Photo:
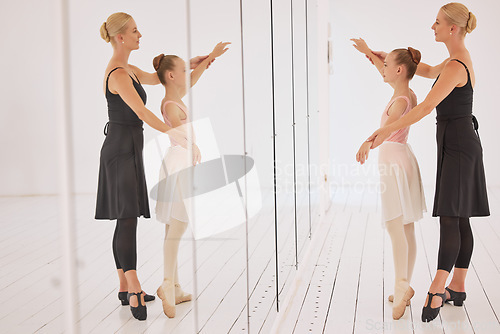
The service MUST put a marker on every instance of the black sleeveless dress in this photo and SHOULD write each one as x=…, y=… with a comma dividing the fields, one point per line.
x=122, y=191
x=460, y=179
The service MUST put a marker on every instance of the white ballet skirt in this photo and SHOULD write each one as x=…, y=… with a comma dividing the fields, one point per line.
x=401, y=188
x=171, y=188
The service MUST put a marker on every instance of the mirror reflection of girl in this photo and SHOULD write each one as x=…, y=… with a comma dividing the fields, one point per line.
x=402, y=195
x=122, y=192
x=170, y=208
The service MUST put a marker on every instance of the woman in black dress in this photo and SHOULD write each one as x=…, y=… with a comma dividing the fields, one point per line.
x=122, y=193
x=460, y=180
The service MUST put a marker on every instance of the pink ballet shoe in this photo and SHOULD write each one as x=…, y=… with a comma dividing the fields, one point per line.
x=399, y=310
x=391, y=299
x=180, y=296
x=163, y=290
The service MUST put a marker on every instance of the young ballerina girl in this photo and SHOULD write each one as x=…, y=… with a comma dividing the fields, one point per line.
x=170, y=209
x=402, y=195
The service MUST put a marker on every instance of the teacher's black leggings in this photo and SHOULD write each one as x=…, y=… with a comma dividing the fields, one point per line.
x=125, y=245
x=455, y=243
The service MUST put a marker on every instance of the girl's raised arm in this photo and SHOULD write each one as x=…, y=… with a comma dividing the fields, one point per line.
x=218, y=51
x=362, y=47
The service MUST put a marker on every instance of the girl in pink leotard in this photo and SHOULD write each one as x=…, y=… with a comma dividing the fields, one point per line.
x=170, y=208
x=401, y=189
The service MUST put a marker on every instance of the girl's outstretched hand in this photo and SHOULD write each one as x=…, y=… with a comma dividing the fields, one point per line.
x=361, y=45
x=220, y=49
x=196, y=155
x=363, y=152
x=378, y=137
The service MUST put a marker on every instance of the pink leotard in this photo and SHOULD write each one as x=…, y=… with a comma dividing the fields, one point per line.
x=401, y=135
x=183, y=121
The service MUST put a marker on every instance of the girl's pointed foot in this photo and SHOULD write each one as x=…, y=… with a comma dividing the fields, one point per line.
x=398, y=310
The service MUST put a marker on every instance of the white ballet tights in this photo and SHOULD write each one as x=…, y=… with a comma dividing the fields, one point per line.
x=173, y=234
x=404, y=251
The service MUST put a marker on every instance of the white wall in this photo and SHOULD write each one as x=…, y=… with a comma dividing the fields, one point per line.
x=27, y=100
x=358, y=94
x=28, y=92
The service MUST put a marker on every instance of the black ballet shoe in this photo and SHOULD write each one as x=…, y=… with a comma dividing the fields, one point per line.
x=429, y=313
x=122, y=296
x=148, y=298
x=139, y=312
x=456, y=297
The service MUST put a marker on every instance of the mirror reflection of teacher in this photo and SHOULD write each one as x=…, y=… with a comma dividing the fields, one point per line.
x=460, y=180
x=122, y=192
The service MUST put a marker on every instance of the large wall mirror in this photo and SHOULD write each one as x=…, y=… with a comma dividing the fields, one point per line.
x=254, y=198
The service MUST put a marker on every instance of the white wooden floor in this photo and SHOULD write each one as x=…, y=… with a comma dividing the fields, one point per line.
x=30, y=260
x=349, y=274
x=345, y=273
